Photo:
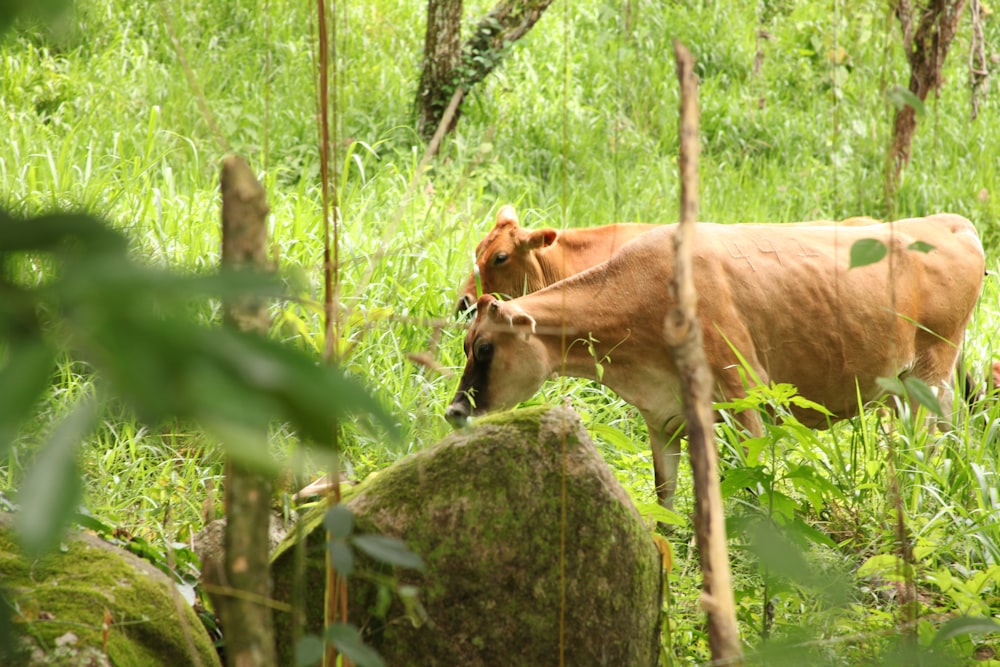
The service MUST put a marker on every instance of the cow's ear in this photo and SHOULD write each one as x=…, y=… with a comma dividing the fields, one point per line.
x=506, y=216
x=541, y=238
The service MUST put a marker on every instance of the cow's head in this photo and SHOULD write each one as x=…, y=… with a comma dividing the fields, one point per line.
x=505, y=361
x=506, y=260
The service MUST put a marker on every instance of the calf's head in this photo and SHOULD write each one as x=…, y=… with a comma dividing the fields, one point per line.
x=505, y=361
x=506, y=260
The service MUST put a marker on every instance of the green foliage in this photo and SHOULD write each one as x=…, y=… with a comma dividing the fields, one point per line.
x=577, y=127
x=123, y=318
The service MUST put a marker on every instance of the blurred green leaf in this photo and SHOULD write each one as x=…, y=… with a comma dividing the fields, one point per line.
x=45, y=10
x=7, y=641
x=348, y=641
x=388, y=550
x=920, y=246
x=339, y=522
x=341, y=557
x=656, y=512
x=68, y=233
x=52, y=487
x=130, y=323
x=914, y=389
x=867, y=251
x=918, y=391
x=308, y=651
x=965, y=625
x=23, y=378
x=901, y=97
x=781, y=551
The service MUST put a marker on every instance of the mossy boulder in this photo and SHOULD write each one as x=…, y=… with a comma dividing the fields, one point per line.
x=488, y=508
x=61, y=601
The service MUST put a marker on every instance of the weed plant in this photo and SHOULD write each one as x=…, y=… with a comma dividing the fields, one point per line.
x=578, y=127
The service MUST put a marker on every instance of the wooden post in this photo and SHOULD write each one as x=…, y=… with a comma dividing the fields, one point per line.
x=684, y=336
x=246, y=617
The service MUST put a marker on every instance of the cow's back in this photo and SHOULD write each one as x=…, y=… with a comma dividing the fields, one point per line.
x=786, y=298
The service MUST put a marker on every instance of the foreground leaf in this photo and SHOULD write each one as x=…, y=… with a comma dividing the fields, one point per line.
x=348, y=641
x=388, y=550
x=308, y=651
x=918, y=391
x=51, y=490
x=22, y=380
x=965, y=625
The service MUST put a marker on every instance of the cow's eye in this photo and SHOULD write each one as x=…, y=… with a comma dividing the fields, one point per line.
x=500, y=258
x=483, y=350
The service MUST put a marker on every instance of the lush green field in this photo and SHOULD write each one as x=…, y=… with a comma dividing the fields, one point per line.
x=577, y=128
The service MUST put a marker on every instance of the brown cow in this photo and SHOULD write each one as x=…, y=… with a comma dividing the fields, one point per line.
x=512, y=261
x=782, y=295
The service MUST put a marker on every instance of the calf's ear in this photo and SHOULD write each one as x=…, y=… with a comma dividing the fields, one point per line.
x=541, y=238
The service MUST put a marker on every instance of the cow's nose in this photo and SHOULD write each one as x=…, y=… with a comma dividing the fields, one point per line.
x=457, y=414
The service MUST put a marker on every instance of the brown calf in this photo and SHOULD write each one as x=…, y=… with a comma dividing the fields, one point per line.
x=512, y=261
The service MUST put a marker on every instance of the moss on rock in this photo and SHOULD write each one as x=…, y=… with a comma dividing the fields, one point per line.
x=61, y=601
x=484, y=508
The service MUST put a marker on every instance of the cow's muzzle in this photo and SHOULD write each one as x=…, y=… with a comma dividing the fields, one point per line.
x=457, y=414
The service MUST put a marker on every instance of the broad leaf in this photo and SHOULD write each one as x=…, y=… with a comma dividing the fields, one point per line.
x=891, y=385
x=918, y=391
x=51, y=490
x=660, y=514
x=903, y=97
x=341, y=557
x=7, y=638
x=308, y=651
x=339, y=522
x=348, y=641
x=22, y=380
x=69, y=233
x=965, y=625
x=388, y=550
x=33, y=9
x=867, y=251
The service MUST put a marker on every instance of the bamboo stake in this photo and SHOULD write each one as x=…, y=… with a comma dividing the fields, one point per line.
x=247, y=622
x=684, y=336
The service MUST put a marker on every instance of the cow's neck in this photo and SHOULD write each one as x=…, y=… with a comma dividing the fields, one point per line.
x=581, y=321
x=579, y=249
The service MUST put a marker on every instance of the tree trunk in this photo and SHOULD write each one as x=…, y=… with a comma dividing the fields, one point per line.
x=246, y=618
x=448, y=67
x=683, y=335
x=442, y=51
x=926, y=47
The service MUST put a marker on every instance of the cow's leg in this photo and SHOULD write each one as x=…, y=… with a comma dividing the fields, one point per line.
x=937, y=367
x=751, y=421
x=665, y=443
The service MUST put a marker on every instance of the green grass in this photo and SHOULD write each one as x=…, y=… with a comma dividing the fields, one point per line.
x=578, y=127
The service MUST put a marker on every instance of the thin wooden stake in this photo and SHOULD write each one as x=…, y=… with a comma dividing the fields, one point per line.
x=683, y=335
x=248, y=623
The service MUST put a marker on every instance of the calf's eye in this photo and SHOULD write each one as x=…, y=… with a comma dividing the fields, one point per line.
x=483, y=351
x=500, y=258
